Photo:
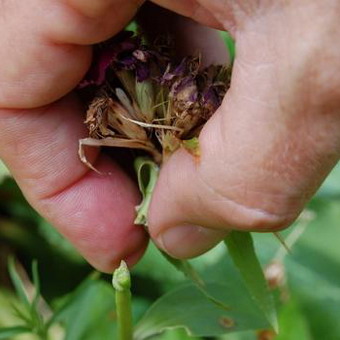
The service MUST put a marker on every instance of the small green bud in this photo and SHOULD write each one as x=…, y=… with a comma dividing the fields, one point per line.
x=121, y=279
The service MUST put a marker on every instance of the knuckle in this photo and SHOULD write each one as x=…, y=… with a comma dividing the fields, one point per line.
x=251, y=210
x=252, y=218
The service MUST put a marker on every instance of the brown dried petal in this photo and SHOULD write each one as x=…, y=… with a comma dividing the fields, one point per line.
x=118, y=120
x=188, y=120
x=97, y=118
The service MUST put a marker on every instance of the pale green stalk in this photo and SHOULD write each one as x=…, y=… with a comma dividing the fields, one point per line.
x=121, y=281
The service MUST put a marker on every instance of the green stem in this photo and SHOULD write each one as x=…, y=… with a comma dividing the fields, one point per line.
x=147, y=173
x=121, y=281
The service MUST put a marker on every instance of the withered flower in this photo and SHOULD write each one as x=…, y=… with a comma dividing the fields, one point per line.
x=147, y=100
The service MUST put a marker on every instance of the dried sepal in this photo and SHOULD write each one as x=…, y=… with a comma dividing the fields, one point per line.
x=116, y=142
x=170, y=143
x=192, y=146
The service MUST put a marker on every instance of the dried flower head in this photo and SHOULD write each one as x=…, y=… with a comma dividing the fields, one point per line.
x=146, y=99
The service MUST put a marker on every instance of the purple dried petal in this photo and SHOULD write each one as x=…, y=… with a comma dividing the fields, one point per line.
x=124, y=41
x=128, y=45
x=181, y=69
x=167, y=76
x=105, y=53
x=210, y=98
x=127, y=62
x=96, y=74
x=173, y=73
x=142, y=72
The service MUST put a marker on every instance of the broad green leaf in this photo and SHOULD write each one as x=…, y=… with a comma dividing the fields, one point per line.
x=10, y=332
x=169, y=271
x=186, y=268
x=241, y=249
x=156, y=267
x=176, y=334
x=186, y=307
x=248, y=335
x=189, y=271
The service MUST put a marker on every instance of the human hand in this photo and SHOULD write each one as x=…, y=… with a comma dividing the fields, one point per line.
x=45, y=51
x=274, y=139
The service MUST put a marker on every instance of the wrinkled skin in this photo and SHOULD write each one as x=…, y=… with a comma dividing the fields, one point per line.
x=264, y=152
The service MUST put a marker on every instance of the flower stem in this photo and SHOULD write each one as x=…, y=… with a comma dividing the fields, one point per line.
x=147, y=173
x=121, y=281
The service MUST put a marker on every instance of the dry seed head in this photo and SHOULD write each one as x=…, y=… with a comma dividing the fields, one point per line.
x=150, y=99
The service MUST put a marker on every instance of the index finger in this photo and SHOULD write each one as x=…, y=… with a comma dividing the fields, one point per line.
x=44, y=55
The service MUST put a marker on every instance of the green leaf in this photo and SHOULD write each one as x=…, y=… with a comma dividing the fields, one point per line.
x=36, y=283
x=156, y=267
x=176, y=334
x=18, y=284
x=185, y=268
x=241, y=249
x=10, y=332
x=30, y=315
x=189, y=271
x=186, y=307
x=147, y=175
x=89, y=312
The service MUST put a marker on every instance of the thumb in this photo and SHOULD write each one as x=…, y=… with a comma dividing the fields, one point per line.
x=263, y=153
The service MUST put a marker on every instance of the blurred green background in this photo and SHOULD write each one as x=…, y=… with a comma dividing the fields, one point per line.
x=306, y=282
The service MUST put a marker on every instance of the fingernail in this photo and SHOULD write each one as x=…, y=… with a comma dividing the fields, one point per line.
x=188, y=240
